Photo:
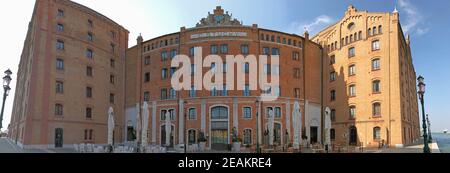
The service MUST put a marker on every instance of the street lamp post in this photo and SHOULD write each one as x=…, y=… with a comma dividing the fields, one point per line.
x=421, y=92
x=257, y=126
x=429, y=130
x=6, y=81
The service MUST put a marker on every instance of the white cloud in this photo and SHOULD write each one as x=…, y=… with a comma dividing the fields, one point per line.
x=413, y=18
x=312, y=27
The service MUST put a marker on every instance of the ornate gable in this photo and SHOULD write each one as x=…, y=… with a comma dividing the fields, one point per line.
x=219, y=18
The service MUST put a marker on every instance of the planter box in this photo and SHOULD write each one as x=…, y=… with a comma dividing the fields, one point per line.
x=236, y=147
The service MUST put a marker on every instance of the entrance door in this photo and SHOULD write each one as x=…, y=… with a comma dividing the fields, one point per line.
x=314, y=131
x=58, y=138
x=353, y=136
x=219, y=128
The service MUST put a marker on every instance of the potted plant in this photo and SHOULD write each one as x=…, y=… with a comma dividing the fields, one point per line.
x=202, y=141
x=236, y=141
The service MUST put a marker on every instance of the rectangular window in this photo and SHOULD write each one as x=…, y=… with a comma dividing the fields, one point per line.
x=147, y=77
x=214, y=91
x=247, y=90
x=59, y=64
x=192, y=92
x=90, y=23
x=60, y=27
x=275, y=51
x=88, y=113
x=352, y=90
x=173, y=53
x=164, y=56
x=146, y=96
x=351, y=52
x=352, y=112
x=59, y=87
x=192, y=114
x=113, y=48
x=376, y=64
x=214, y=49
x=172, y=71
x=60, y=13
x=89, y=53
x=112, y=63
x=59, y=110
x=296, y=92
x=376, y=110
x=297, y=73
x=266, y=51
x=244, y=49
x=332, y=76
x=333, y=95
x=172, y=93
x=224, y=90
x=164, y=73
x=60, y=45
x=333, y=115
x=376, y=86
x=88, y=92
x=112, y=79
x=224, y=48
x=90, y=37
x=147, y=60
x=89, y=71
x=332, y=59
x=277, y=112
x=375, y=45
x=295, y=56
x=111, y=98
x=163, y=94
x=247, y=112
x=351, y=70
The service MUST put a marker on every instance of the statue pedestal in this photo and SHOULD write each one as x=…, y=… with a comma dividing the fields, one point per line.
x=236, y=147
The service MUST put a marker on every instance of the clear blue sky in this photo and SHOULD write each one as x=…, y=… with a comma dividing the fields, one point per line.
x=426, y=21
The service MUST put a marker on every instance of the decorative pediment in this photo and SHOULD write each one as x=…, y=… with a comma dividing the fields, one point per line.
x=219, y=18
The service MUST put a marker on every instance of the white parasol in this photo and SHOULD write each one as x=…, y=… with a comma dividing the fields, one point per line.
x=168, y=129
x=138, y=122
x=297, y=122
x=111, y=125
x=271, y=126
x=144, y=125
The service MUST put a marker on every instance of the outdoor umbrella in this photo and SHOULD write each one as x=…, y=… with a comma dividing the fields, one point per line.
x=110, y=126
x=327, y=126
x=138, y=122
x=296, y=117
x=168, y=129
x=271, y=127
x=144, y=125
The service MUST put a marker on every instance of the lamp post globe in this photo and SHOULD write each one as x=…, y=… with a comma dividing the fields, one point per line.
x=421, y=92
x=6, y=81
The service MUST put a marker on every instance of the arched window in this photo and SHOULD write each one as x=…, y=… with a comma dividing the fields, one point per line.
x=380, y=30
x=335, y=45
x=376, y=133
x=332, y=46
x=333, y=115
x=370, y=32
x=346, y=40
x=375, y=30
x=376, y=109
x=355, y=36
x=360, y=35
x=351, y=38
x=219, y=112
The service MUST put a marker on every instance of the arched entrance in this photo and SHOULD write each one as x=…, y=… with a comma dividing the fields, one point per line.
x=59, y=138
x=219, y=128
x=353, y=137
